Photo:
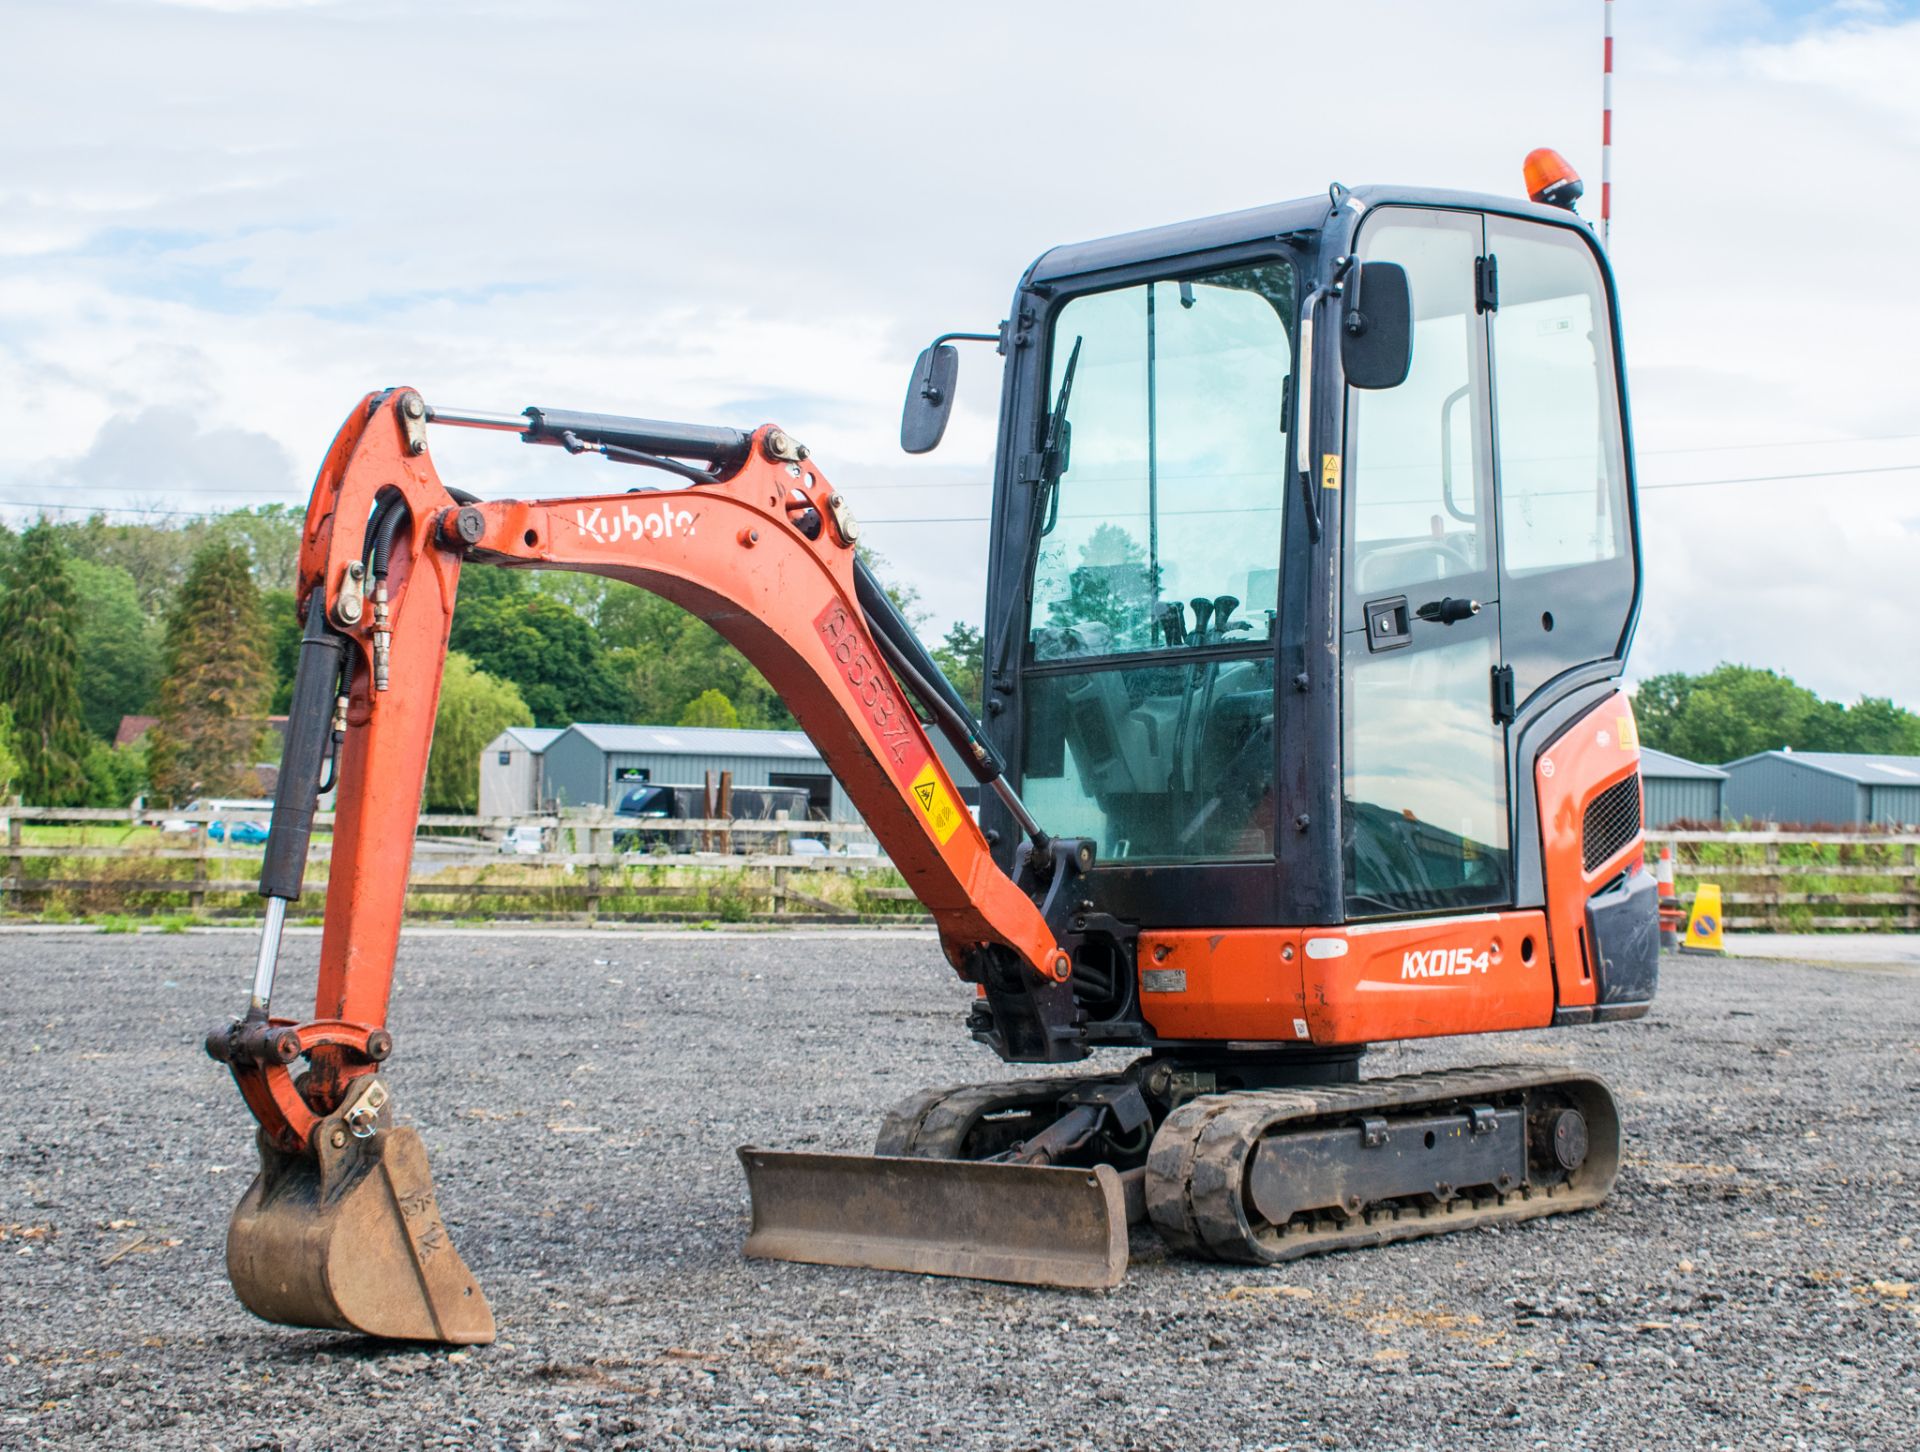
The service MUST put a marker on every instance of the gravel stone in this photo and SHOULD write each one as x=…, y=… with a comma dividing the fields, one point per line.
x=1751, y=1283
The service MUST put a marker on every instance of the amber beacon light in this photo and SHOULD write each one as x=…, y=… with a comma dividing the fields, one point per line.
x=1550, y=180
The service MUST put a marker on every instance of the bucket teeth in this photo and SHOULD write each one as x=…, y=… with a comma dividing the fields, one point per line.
x=348, y=1237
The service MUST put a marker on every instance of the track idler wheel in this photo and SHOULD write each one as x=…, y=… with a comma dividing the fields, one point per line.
x=348, y=1236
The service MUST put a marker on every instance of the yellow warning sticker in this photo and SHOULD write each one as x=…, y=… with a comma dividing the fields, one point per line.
x=1329, y=471
x=932, y=798
x=1628, y=732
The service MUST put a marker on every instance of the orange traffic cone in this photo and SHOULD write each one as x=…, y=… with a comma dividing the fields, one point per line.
x=1672, y=915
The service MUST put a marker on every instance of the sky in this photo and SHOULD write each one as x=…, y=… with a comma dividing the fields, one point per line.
x=223, y=221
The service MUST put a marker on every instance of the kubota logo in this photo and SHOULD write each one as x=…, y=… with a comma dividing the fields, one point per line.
x=1442, y=962
x=609, y=526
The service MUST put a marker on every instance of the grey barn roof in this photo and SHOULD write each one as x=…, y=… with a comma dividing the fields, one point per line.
x=535, y=738
x=1661, y=764
x=1866, y=769
x=699, y=740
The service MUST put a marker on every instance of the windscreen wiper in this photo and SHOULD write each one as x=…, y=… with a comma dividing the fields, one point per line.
x=1053, y=463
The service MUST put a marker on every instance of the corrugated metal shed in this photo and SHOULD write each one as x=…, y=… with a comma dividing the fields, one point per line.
x=510, y=777
x=1807, y=788
x=1678, y=790
x=593, y=763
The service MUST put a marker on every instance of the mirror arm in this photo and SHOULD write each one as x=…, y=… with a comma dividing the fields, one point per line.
x=927, y=390
x=1355, y=320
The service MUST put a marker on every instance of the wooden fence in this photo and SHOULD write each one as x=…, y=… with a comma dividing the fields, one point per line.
x=1777, y=881
x=686, y=869
x=1802, y=881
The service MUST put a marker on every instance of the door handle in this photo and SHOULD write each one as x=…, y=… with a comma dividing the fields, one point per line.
x=1387, y=627
x=1449, y=611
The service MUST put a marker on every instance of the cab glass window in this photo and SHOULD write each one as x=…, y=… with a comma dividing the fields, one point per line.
x=1175, y=465
x=1158, y=762
x=1417, y=463
x=1562, y=498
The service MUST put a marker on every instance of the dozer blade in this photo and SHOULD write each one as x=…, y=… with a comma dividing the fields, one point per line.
x=349, y=1238
x=1028, y=1224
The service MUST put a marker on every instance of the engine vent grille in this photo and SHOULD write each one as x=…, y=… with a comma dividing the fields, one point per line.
x=1611, y=822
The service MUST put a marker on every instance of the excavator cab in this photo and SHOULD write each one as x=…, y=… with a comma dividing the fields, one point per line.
x=1313, y=526
x=1313, y=570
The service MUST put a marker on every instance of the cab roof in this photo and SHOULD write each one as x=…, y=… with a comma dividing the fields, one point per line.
x=1231, y=229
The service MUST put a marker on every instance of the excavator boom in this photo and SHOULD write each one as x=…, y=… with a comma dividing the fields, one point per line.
x=761, y=548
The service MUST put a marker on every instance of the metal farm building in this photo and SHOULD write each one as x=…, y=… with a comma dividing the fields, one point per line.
x=510, y=771
x=1678, y=790
x=1818, y=788
x=594, y=765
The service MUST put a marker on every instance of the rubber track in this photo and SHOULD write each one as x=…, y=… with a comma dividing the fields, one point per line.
x=1196, y=1170
x=934, y=1124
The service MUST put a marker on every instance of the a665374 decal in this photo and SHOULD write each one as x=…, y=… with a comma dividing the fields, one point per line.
x=900, y=743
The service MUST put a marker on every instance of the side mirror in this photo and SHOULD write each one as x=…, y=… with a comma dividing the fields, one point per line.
x=1376, y=340
x=929, y=398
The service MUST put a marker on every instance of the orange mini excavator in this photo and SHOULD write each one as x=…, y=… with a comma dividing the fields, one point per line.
x=1314, y=565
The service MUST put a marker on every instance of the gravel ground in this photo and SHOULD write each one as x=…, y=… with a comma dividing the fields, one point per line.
x=1748, y=1285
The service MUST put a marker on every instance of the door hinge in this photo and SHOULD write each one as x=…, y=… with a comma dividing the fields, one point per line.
x=1503, y=711
x=1486, y=283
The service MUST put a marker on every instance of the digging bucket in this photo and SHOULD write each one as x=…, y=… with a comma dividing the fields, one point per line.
x=1026, y=1224
x=348, y=1237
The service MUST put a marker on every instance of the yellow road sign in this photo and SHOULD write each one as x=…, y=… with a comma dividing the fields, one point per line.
x=1704, y=924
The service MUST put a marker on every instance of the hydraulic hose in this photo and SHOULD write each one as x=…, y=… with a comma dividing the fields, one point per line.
x=385, y=527
x=930, y=683
x=923, y=676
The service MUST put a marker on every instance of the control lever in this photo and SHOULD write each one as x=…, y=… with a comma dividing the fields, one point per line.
x=1202, y=613
x=1173, y=622
x=1223, y=606
x=1450, y=611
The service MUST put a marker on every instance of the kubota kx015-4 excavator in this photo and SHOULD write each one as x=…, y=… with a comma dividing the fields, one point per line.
x=1314, y=565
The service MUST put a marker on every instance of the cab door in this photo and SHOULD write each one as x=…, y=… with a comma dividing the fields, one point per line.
x=1566, y=542
x=1425, y=820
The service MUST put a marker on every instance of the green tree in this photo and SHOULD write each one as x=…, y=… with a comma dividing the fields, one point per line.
x=119, y=647
x=1874, y=724
x=9, y=758
x=1657, y=707
x=962, y=657
x=213, y=699
x=284, y=629
x=551, y=654
x=39, y=661
x=474, y=708
x=1734, y=711
x=710, y=708
x=155, y=556
x=270, y=533
x=115, y=774
x=664, y=657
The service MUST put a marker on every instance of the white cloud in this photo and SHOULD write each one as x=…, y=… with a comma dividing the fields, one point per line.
x=255, y=217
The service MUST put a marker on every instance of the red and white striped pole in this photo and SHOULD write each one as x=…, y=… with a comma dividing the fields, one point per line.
x=1606, y=131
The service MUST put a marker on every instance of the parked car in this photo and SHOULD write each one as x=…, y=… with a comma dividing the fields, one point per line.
x=224, y=826
x=658, y=806
x=522, y=841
